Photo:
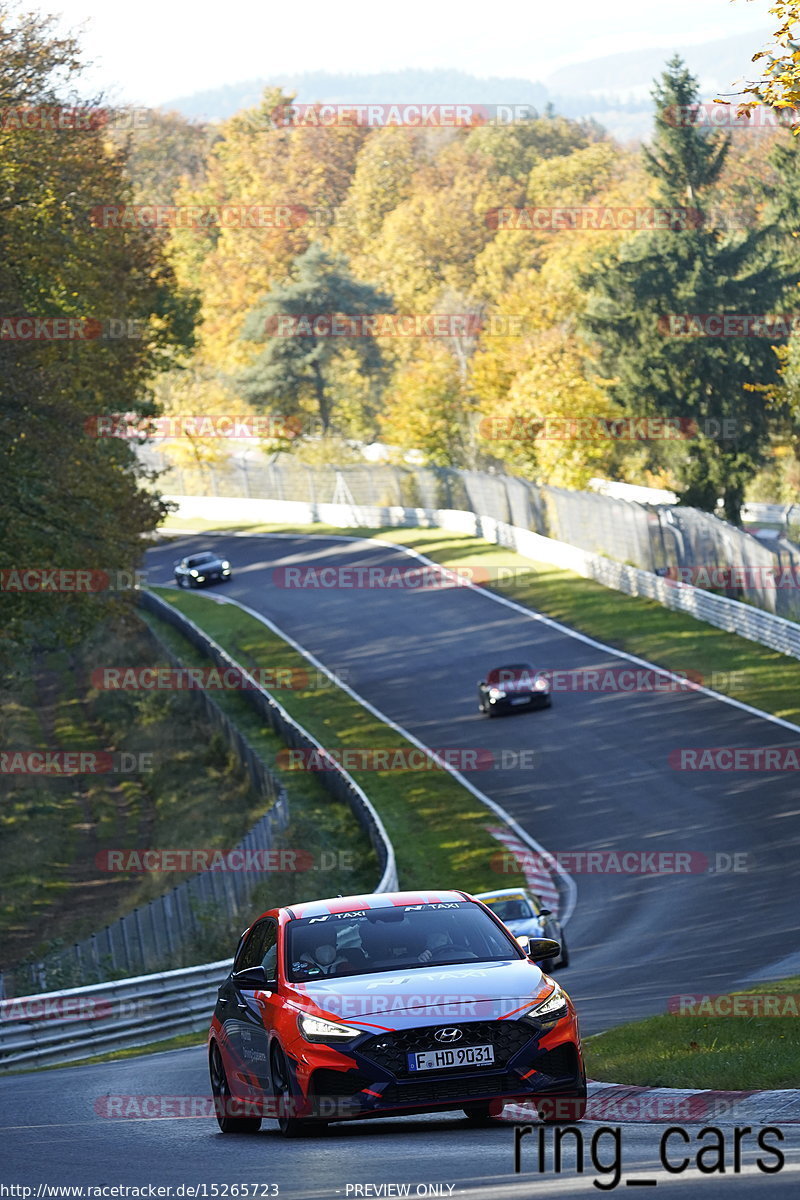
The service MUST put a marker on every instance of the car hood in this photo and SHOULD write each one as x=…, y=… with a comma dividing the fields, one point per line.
x=400, y=999
x=529, y=926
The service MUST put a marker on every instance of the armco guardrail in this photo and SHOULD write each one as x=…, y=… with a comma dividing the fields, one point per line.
x=752, y=623
x=62, y=1027
x=336, y=780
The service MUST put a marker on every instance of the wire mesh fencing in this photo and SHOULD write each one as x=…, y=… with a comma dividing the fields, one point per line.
x=692, y=545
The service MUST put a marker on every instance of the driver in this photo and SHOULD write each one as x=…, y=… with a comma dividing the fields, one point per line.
x=324, y=955
x=434, y=942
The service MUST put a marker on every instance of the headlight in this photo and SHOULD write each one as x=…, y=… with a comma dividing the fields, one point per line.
x=496, y=694
x=541, y=685
x=552, y=1008
x=226, y=566
x=315, y=1029
x=193, y=572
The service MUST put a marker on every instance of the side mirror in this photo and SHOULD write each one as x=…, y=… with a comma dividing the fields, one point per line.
x=541, y=948
x=254, y=977
x=545, y=912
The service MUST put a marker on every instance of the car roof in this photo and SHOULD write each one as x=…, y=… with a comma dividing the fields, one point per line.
x=526, y=667
x=342, y=904
x=505, y=894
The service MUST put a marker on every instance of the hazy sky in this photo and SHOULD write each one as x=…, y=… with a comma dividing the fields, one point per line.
x=152, y=50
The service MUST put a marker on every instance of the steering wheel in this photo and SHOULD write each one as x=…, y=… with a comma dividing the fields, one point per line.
x=451, y=952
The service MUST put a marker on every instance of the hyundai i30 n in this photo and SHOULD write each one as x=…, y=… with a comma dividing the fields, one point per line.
x=390, y=1004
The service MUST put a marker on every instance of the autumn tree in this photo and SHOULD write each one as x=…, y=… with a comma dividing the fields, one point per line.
x=296, y=368
x=70, y=498
x=658, y=278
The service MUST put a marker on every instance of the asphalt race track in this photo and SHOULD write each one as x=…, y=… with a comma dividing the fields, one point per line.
x=52, y=1134
x=601, y=781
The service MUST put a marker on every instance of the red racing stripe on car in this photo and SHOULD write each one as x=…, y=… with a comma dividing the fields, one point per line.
x=352, y=904
x=533, y=1000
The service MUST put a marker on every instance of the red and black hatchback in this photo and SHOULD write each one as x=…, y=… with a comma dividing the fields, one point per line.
x=390, y=1004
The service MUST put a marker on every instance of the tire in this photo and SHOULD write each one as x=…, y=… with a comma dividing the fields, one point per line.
x=482, y=1111
x=289, y=1127
x=181, y=582
x=222, y=1096
x=567, y=1109
x=564, y=960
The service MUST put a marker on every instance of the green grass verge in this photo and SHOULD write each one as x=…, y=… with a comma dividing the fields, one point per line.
x=344, y=858
x=682, y=1051
x=727, y=663
x=437, y=827
x=52, y=828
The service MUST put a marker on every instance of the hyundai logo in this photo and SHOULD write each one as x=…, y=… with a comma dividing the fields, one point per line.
x=450, y=1034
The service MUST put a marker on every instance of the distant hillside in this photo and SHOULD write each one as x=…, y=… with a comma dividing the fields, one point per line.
x=413, y=86
x=614, y=90
x=717, y=65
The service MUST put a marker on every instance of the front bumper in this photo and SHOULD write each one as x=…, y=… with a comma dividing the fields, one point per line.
x=373, y=1079
x=534, y=700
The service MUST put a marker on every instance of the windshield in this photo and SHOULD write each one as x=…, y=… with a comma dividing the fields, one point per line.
x=199, y=559
x=512, y=908
x=519, y=673
x=384, y=939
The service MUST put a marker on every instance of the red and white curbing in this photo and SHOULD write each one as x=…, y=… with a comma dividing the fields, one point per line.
x=619, y=1104
x=537, y=876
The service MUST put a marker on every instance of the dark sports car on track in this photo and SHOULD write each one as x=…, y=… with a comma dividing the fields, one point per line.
x=517, y=685
x=398, y=1003
x=203, y=567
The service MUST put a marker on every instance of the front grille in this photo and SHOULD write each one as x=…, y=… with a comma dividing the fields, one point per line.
x=390, y=1050
x=439, y=1091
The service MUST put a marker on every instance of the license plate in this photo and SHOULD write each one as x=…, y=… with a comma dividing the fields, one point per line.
x=521, y=700
x=439, y=1060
